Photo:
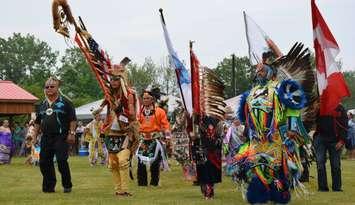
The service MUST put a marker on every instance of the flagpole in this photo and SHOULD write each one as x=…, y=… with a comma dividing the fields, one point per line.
x=246, y=33
x=233, y=75
x=162, y=15
x=192, y=78
x=176, y=72
x=193, y=115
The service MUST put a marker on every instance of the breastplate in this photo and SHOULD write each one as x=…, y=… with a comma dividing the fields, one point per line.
x=261, y=100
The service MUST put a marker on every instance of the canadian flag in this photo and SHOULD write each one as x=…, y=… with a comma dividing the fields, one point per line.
x=331, y=84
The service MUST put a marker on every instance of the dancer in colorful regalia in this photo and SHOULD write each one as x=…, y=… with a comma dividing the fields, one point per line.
x=180, y=136
x=154, y=126
x=208, y=114
x=233, y=139
x=121, y=126
x=208, y=130
x=181, y=142
x=269, y=164
x=92, y=134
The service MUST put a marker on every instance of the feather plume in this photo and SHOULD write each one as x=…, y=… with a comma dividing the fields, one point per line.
x=61, y=16
x=296, y=65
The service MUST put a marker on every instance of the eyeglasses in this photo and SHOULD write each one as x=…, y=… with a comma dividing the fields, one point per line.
x=49, y=86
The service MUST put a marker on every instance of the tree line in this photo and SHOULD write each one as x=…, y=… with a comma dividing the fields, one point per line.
x=28, y=61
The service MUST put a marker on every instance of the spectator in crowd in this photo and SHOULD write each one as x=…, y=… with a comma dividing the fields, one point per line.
x=31, y=144
x=6, y=145
x=329, y=137
x=18, y=138
x=23, y=145
x=78, y=135
x=351, y=135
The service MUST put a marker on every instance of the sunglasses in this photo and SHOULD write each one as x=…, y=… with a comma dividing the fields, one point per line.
x=115, y=78
x=49, y=86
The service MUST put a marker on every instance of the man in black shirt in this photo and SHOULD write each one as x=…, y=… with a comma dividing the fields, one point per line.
x=329, y=137
x=57, y=120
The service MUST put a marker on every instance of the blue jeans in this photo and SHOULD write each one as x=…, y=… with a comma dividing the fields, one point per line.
x=321, y=147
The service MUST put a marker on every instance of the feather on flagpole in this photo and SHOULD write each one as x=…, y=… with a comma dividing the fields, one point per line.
x=97, y=58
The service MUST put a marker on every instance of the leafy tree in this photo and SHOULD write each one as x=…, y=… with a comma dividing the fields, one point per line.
x=242, y=75
x=142, y=76
x=79, y=83
x=350, y=81
x=26, y=61
x=167, y=78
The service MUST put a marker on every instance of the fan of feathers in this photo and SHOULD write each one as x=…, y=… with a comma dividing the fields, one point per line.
x=211, y=94
x=297, y=65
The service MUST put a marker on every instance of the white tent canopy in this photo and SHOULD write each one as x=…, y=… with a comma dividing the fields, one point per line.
x=84, y=112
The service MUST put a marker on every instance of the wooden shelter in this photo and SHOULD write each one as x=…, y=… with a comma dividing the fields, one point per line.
x=14, y=100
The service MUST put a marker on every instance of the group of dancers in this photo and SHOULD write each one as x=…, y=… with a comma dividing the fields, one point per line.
x=264, y=145
x=266, y=163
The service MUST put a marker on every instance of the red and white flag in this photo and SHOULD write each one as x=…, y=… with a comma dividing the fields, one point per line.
x=331, y=84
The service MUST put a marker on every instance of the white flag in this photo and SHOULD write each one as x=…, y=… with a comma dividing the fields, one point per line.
x=258, y=41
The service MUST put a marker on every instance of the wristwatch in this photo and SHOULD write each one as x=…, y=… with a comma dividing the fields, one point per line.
x=72, y=132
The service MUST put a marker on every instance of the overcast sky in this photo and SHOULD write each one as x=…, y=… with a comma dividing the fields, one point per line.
x=132, y=28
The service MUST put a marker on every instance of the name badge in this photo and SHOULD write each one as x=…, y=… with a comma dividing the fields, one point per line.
x=123, y=118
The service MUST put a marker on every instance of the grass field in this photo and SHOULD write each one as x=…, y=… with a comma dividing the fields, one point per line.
x=21, y=184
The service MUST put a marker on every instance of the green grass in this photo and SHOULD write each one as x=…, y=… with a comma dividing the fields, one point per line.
x=21, y=184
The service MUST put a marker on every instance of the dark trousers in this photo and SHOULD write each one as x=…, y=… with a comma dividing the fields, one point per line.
x=154, y=172
x=76, y=145
x=305, y=165
x=74, y=148
x=322, y=147
x=207, y=190
x=50, y=146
